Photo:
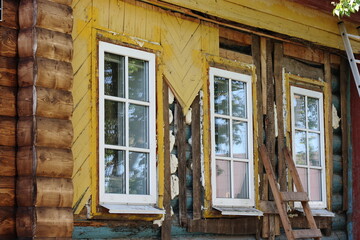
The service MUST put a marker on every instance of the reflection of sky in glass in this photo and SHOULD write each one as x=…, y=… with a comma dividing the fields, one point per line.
x=300, y=116
x=138, y=173
x=114, y=171
x=138, y=126
x=138, y=80
x=314, y=149
x=114, y=123
x=114, y=75
x=238, y=89
x=222, y=137
x=300, y=147
x=240, y=140
x=313, y=113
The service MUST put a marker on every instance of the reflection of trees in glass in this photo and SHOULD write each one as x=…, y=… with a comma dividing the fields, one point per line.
x=138, y=173
x=313, y=113
x=114, y=171
x=138, y=126
x=238, y=99
x=138, y=79
x=114, y=75
x=221, y=95
x=114, y=123
x=222, y=137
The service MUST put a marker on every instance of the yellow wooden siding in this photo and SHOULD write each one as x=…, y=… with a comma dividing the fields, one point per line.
x=279, y=16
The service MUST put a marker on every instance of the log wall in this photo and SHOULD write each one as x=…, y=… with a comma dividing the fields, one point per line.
x=8, y=117
x=44, y=190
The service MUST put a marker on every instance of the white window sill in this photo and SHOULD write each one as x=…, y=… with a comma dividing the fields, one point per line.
x=318, y=212
x=239, y=211
x=133, y=209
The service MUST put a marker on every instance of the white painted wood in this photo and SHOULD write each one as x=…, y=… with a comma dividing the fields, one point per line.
x=238, y=211
x=133, y=209
x=128, y=199
x=225, y=202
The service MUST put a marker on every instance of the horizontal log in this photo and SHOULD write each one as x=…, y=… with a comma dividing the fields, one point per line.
x=44, y=72
x=51, y=103
x=8, y=101
x=8, y=42
x=38, y=42
x=48, y=162
x=65, y=2
x=338, y=164
x=7, y=131
x=236, y=36
x=25, y=221
x=336, y=202
x=8, y=67
x=10, y=14
x=7, y=223
x=303, y=52
x=7, y=191
x=301, y=222
x=25, y=191
x=44, y=132
x=339, y=222
x=249, y=225
x=45, y=14
x=337, y=144
x=7, y=161
x=337, y=184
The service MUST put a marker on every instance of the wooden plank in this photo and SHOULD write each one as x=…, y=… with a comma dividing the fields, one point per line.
x=8, y=69
x=263, y=65
x=166, y=226
x=268, y=207
x=240, y=57
x=302, y=69
x=308, y=233
x=278, y=64
x=249, y=225
x=7, y=131
x=181, y=149
x=7, y=161
x=328, y=128
x=236, y=36
x=344, y=71
x=52, y=45
x=44, y=72
x=45, y=14
x=303, y=52
x=8, y=42
x=196, y=157
x=294, y=196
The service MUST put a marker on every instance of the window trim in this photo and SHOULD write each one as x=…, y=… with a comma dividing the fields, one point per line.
x=106, y=198
x=222, y=202
x=319, y=95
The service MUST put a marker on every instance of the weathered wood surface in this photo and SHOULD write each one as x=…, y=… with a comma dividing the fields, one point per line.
x=44, y=72
x=181, y=149
x=50, y=103
x=8, y=42
x=7, y=131
x=50, y=162
x=303, y=69
x=196, y=157
x=8, y=101
x=8, y=67
x=166, y=226
x=44, y=222
x=7, y=161
x=7, y=223
x=49, y=132
x=249, y=225
x=44, y=192
x=45, y=14
x=10, y=14
x=49, y=44
x=7, y=191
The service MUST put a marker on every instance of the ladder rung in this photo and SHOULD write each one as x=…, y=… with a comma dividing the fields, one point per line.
x=357, y=61
x=294, y=196
x=307, y=233
x=357, y=37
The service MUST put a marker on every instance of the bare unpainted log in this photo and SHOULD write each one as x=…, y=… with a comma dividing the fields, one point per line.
x=7, y=131
x=45, y=14
x=44, y=222
x=8, y=42
x=7, y=161
x=49, y=103
x=10, y=14
x=38, y=42
x=7, y=223
x=50, y=162
x=44, y=132
x=8, y=66
x=7, y=191
x=44, y=72
x=7, y=101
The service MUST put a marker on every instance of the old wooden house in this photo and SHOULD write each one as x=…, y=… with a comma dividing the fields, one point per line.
x=126, y=119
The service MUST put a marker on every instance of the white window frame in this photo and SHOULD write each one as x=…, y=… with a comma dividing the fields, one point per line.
x=1, y=10
x=317, y=95
x=128, y=199
x=232, y=202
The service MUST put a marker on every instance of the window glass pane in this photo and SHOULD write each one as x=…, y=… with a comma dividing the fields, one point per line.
x=114, y=83
x=115, y=179
x=114, y=123
x=299, y=111
x=222, y=137
x=241, y=184
x=138, y=126
x=238, y=89
x=300, y=147
x=313, y=113
x=138, y=173
x=303, y=177
x=223, y=179
x=138, y=80
x=314, y=149
x=315, y=185
x=240, y=143
x=221, y=95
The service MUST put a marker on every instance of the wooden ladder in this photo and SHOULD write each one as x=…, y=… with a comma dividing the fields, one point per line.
x=281, y=198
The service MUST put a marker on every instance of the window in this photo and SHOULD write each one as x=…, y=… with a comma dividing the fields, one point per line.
x=127, y=142
x=308, y=142
x=231, y=139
